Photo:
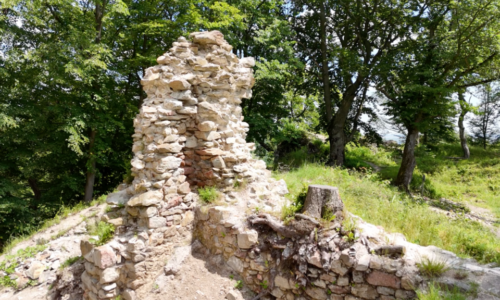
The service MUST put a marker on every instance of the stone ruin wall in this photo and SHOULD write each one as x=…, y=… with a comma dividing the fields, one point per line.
x=190, y=133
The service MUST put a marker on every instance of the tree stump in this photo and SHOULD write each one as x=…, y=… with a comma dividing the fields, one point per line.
x=323, y=200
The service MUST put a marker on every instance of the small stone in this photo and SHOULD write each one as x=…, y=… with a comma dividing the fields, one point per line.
x=109, y=275
x=116, y=222
x=207, y=126
x=179, y=84
x=35, y=270
x=235, y=264
x=184, y=188
x=169, y=148
x=385, y=291
x=146, y=199
x=247, y=239
x=337, y=268
x=364, y=291
x=315, y=259
x=233, y=295
x=282, y=282
x=316, y=293
x=276, y=292
x=104, y=257
x=157, y=222
x=383, y=279
x=210, y=152
x=363, y=263
x=118, y=198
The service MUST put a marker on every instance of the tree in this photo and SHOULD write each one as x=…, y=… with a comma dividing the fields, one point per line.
x=483, y=123
x=343, y=43
x=465, y=107
x=69, y=89
x=454, y=46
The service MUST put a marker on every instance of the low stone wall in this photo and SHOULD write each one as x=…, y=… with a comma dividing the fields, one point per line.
x=324, y=265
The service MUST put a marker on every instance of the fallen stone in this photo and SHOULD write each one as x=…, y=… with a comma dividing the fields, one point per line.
x=35, y=270
x=146, y=199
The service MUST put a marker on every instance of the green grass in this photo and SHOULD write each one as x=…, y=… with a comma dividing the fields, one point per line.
x=208, y=194
x=377, y=202
x=70, y=261
x=103, y=230
x=10, y=263
x=63, y=213
x=436, y=293
x=432, y=267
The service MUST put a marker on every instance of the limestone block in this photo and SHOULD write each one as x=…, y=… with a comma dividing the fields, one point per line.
x=184, y=188
x=218, y=162
x=149, y=212
x=235, y=264
x=207, y=126
x=383, y=279
x=137, y=163
x=116, y=221
x=247, y=239
x=203, y=38
x=364, y=291
x=169, y=148
x=146, y=199
x=207, y=135
x=179, y=84
x=104, y=257
x=109, y=275
x=157, y=222
x=210, y=152
x=188, y=110
x=35, y=270
x=316, y=293
x=363, y=263
x=167, y=163
x=191, y=142
x=172, y=104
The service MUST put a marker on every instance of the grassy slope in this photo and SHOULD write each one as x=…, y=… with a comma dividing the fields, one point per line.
x=476, y=180
x=373, y=199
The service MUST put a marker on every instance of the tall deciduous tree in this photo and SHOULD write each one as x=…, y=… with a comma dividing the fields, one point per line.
x=343, y=43
x=484, y=122
x=455, y=45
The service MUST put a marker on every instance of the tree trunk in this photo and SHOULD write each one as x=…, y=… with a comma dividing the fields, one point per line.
x=89, y=185
x=336, y=132
x=34, y=187
x=463, y=112
x=408, y=162
x=322, y=200
x=324, y=66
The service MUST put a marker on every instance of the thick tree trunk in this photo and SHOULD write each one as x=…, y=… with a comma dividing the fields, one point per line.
x=463, y=112
x=322, y=200
x=89, y=185
x=408, y=162
x=336, y=132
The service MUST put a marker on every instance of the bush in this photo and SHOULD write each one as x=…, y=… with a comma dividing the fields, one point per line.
x=104, y=232
x=208, y=194
x=432, y=267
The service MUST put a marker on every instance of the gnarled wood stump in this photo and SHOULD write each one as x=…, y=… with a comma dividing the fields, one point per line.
x=322, y=200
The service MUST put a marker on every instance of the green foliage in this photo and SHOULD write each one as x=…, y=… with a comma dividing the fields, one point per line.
x=104, y=232
x=239, y=284
x=432, y=267
x=70, y=261
x=264, y=284
x=10, y=263
x=435, y=292
x=209, y=194
x=379, y=203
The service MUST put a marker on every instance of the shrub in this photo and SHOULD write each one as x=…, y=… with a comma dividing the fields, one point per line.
x=103, y=230
x=436, y=293
x=208, y=194
x=432, y=267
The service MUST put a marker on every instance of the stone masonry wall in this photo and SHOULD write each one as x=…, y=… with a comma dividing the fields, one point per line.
x=189, y=133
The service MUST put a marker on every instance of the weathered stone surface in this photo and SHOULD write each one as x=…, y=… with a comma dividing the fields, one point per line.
x=282, y=282
x=146, y=199
x=247, y=239
x=175, y=262
x=35, y=270
x=235, y=264
x=109, y=275
x=156, y=222
x=104, y=257
x=207, y=126
x=383, y=279
x=179, y=84
x=118, y=198
x=316, y=293
x=210, y=152
x=364, y=291
x=169, y=148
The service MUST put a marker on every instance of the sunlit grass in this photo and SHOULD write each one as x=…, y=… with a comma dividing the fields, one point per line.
x=377, y=202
